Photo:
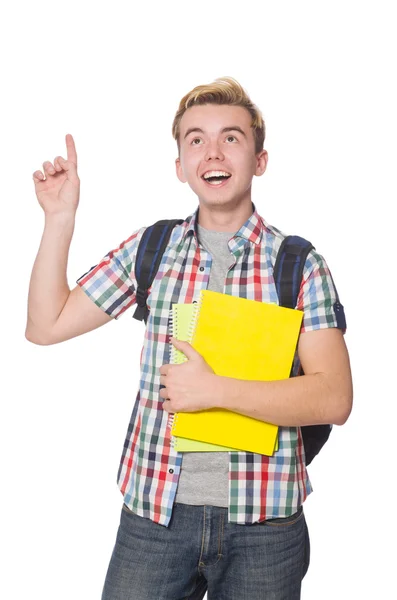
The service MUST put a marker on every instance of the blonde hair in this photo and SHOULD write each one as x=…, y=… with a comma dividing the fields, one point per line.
x=224, y=90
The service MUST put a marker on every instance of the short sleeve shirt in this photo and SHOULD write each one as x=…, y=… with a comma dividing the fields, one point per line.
x=260, y=487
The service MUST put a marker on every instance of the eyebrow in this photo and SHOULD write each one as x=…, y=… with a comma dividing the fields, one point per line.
x=224, y=130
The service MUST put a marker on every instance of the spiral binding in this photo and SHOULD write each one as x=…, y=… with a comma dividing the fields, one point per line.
x=171, y=421
x=174, y=440
x=172, y=353
x=173, y=331
x=193, y=324
x=173, y=327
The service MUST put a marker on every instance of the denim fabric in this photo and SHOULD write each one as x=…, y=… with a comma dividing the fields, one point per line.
x=201, y=552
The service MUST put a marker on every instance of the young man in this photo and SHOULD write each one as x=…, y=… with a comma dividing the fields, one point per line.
x=230, y=523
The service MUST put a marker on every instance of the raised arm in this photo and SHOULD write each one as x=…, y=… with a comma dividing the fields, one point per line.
x=55, y=313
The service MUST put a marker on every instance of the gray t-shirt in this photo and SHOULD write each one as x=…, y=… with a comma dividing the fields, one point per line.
x=204, y=476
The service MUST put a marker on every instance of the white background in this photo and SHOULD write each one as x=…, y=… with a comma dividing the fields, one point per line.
x=112, y=76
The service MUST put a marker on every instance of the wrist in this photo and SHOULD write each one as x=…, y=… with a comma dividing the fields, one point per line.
x=66, y=219
x=223, y=391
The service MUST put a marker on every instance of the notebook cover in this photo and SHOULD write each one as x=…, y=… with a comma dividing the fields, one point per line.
x=182, y=444
x=181, y=316
x=243, y=339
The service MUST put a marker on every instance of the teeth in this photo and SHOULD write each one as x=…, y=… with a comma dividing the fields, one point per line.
x=215, y=174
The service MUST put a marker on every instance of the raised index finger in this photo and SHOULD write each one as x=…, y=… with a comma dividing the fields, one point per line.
x=71, y=149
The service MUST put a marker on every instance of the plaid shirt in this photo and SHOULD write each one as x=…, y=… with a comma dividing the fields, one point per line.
x=260, y=487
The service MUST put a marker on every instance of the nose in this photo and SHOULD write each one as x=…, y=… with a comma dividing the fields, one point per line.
x=213, y=151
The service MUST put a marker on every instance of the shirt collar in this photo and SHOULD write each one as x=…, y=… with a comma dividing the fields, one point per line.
x=251, y=230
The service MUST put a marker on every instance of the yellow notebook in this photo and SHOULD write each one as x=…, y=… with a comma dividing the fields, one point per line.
x=243, y=339
x=181, y=316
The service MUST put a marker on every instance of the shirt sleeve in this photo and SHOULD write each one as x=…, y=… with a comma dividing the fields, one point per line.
x=111, y=283
x=318, y=297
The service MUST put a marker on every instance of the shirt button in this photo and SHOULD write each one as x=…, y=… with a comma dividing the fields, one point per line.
x=170, y=470
x=201, y=268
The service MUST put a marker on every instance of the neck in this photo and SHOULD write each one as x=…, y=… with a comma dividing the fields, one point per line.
x=224, y=218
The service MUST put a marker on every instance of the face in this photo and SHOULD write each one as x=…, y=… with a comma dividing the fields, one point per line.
x=225, y=143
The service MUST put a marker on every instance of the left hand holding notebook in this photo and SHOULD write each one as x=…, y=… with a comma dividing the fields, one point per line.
x=190, y=386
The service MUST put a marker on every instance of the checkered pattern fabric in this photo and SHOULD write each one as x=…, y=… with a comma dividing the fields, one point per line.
x=260, y=487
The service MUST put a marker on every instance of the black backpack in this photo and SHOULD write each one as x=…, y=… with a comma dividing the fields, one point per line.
x=288, y=271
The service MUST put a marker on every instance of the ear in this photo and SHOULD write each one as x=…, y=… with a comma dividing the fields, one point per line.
x=179, y=170
x=261, y=163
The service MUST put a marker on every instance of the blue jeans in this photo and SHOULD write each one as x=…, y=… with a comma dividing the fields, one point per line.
x=201, y=552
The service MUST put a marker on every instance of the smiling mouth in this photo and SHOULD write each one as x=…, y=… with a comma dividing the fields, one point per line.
x=216, y=181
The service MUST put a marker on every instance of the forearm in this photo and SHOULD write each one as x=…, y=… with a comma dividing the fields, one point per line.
x=48, y=289
x=304, y=400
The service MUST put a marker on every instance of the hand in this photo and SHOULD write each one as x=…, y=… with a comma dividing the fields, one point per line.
x=59, y=193
x=190, y=386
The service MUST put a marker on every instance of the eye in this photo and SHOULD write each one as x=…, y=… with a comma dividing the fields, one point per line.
x=231, y=136
x=193, y=140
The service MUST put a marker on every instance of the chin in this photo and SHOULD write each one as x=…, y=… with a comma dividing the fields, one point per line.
x=221, y=199
x=216, y=200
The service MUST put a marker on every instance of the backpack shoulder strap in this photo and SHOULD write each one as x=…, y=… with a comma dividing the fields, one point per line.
x=148, y=258
x=288, y=269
